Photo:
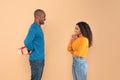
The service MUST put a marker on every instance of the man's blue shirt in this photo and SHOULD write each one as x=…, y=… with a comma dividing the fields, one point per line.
x=34, y=41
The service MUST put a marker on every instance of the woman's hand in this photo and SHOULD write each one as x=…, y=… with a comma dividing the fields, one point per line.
x=73, y=37
x=72, y=52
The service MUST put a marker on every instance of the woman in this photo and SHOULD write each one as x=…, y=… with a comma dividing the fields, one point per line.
x=79, y=43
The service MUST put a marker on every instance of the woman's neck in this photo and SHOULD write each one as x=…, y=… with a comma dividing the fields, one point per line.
x=80, y=35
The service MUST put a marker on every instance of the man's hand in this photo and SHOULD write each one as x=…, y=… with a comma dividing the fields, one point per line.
x=29, y=52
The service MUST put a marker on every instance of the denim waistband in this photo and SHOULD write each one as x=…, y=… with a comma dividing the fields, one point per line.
x=79, y=59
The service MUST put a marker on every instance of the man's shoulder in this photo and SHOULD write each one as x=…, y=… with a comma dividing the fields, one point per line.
x=33, y=26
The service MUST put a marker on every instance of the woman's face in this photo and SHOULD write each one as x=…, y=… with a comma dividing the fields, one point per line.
x=77, y=30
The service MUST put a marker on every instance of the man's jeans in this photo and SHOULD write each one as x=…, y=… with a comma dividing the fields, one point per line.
x=36, y=69
x=79, y=68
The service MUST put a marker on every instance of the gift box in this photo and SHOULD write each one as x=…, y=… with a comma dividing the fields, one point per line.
x=23, y=50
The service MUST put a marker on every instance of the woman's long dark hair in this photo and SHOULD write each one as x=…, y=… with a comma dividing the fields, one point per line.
x=86, y=31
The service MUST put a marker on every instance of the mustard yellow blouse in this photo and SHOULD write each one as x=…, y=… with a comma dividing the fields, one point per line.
x=79, y=47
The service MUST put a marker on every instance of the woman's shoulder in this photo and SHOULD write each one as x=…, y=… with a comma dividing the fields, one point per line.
x=83, y=39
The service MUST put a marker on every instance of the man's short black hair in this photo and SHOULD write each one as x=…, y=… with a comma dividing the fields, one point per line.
x=38, y=12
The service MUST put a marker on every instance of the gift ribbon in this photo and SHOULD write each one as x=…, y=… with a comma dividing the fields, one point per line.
x=21, y=49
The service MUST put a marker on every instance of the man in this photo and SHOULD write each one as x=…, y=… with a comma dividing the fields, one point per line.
x=34, y=42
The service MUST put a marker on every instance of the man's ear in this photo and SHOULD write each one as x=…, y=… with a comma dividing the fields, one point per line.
x=38, y=17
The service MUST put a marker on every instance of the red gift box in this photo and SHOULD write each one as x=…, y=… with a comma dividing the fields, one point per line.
x=23, y=50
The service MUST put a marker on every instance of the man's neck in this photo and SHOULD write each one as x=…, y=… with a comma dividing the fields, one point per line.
x=37, y=22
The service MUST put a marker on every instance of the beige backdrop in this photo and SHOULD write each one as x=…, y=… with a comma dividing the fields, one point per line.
x=62, y=15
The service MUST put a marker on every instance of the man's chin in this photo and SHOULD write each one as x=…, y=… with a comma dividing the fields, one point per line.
x=42, y=23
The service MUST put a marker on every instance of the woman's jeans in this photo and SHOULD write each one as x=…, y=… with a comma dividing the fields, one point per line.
x=79, y=68
x=36, y=69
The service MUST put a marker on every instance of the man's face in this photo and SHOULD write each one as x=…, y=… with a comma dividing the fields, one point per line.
x=42, y=18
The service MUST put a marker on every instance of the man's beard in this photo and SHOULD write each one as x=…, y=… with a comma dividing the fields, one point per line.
x=41, y=22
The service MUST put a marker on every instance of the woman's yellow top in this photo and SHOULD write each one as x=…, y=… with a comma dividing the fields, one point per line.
x=79, y=47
